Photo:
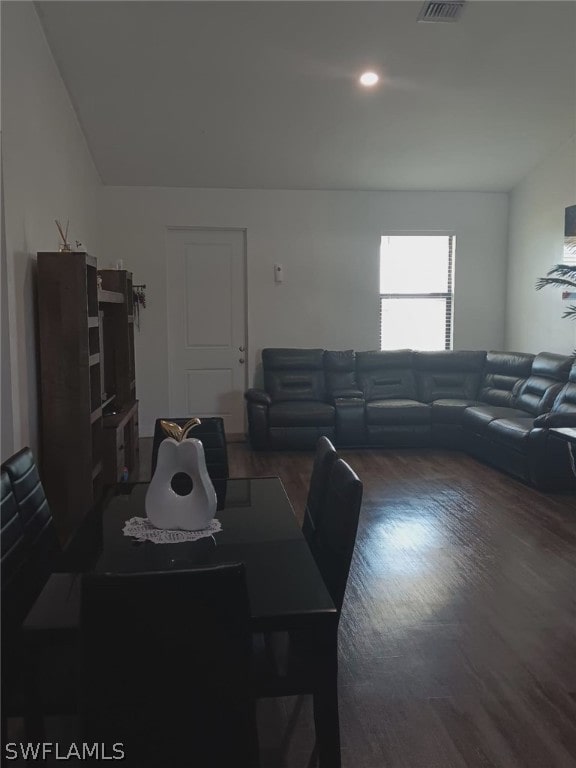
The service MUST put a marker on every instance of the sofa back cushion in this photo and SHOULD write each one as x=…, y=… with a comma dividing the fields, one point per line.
x=446, y=374
x=384, y=375
x=294, y=374
x=538, y=393
x=566, y=400
x=340, y=370
x=504, y=373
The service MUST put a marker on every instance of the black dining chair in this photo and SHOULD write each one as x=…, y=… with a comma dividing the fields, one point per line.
x=324, y=459
x=284, y=668
x=166, y=666
x=332, y=543
x=40, y=681
x=41, y=539
x=211, y=434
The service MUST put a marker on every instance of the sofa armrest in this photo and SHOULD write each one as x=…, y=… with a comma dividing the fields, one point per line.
x=258, y=396
x=257, y=404
x=548, y=420
x=338, y=394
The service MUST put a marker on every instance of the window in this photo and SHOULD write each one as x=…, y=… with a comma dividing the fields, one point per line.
x=416, y=291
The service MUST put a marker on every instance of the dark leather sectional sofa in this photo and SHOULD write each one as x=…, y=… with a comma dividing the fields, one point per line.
x=498, y=406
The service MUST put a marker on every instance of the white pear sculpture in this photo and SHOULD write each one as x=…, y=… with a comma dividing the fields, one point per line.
x=164, y=507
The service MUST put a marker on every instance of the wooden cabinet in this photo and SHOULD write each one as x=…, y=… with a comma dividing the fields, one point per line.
x=86, y=336
x=71, y=407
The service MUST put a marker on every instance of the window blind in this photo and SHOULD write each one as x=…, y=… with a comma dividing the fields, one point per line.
x=416, y=291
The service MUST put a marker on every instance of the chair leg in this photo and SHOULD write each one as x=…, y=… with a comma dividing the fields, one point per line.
x=313, y=761
x=291, y=725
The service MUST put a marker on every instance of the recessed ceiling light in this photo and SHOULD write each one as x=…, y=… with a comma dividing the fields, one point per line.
x=368, y=79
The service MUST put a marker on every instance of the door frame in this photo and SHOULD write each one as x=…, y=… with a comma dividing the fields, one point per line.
x=244, y=232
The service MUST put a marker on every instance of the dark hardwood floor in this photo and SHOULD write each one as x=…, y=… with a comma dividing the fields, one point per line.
x=458, y=632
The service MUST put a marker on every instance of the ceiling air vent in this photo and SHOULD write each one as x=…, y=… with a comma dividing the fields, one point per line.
x=441, y=10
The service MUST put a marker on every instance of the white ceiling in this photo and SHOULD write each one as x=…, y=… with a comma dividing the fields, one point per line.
x=264, y=94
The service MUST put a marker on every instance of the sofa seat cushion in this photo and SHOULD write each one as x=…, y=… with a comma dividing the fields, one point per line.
x=478, y=417
x=403, y=412
x=511, y=432
x=450, y=410
x=303, y=413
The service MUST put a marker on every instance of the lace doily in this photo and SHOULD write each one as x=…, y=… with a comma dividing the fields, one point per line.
x=143, y=530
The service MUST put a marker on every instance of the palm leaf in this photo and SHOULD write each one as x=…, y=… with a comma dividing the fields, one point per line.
x=556, y=282
x=570, y=312
x=565, y=270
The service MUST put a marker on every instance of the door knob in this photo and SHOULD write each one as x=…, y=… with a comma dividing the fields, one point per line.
x=241, y=349
x=240, y=359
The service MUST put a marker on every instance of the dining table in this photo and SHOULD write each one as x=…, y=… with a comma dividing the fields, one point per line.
x=258, y=528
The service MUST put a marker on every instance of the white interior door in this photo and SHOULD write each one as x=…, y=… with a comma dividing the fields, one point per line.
x=206, y=283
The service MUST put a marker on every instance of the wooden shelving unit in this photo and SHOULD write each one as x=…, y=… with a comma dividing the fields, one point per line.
x=72, y=430
x=121, y=427
x=87, y=367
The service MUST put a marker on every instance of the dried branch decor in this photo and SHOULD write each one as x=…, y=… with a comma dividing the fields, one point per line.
x=64, y=235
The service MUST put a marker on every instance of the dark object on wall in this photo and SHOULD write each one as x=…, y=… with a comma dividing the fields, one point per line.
x=570, y=233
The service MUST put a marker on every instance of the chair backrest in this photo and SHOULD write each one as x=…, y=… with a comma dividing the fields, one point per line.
x=30, y=546
x=211, y=434
x=324, y=459
x=39, y=529
x=333, y=542
x=13, y=555
x=168, y=653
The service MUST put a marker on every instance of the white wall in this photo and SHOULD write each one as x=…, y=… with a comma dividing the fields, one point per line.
x=48, y=174
x=328, y=243
x=534, y=318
